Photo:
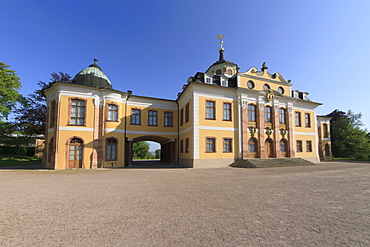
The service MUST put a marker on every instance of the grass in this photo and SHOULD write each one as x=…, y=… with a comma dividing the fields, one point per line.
x=353, y=159
x=18, y=160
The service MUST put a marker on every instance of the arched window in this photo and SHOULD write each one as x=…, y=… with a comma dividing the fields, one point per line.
x=266, y=86
x=229, y=71
x=218, y=72
x=111, y=149
x=252, y=145
x=283, y=145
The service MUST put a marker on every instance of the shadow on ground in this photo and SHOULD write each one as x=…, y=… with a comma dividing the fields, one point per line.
x=152, y=164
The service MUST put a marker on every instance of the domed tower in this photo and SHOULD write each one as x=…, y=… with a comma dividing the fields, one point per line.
x=222, y=72
x=93, y=76
x=222, y=67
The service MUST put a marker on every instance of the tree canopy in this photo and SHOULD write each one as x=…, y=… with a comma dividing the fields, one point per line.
x=140, y=150
x=31, y=114
x=9, y=86
x=348, y=138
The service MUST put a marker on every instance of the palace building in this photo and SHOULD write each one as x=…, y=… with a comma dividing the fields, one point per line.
x=220, y=116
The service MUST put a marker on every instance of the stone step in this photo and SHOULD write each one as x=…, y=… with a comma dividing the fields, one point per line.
x=271, y=162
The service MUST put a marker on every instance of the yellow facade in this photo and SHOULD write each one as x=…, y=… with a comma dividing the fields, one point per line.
x=220, y=116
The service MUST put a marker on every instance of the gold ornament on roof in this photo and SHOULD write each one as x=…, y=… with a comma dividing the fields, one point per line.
x=221, y=37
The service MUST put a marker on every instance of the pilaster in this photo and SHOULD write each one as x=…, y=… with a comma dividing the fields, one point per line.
x=261, y=131
x=290, y=128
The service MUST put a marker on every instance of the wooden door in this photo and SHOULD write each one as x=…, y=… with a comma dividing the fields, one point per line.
x=269, y=148
x=75, y=153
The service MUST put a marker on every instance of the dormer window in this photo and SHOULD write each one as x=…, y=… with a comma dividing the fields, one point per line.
x=295, y=94
x=305, y=96
x=224, y=83
x=208, y=80
x=229, y=71
x=218, y=72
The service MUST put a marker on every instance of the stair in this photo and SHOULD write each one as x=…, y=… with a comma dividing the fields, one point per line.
x=272, y=162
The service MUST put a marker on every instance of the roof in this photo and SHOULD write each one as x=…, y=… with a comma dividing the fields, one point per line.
x=92, y=76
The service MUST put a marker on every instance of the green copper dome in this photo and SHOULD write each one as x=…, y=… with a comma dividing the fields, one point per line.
x=93, y=76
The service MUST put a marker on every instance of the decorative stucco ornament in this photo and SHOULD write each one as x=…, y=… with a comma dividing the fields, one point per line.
x=252, y=130
x=283, y=132
x=268, y=131
x=269, y=97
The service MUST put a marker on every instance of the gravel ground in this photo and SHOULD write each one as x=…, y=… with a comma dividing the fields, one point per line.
x=323, y=205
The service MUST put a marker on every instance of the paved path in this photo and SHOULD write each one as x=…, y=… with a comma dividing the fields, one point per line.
x=323, y=205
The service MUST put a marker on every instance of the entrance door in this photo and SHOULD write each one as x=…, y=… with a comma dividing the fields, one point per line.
x=269, y=148
x=75, y=153
x=284, y=148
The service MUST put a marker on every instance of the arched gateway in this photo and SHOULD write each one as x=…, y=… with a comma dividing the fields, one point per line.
x=168, y=148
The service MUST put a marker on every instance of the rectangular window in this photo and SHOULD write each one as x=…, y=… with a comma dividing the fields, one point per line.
x=267, y=114
x=208, y=80
x=252, y=113
x=282, y=116
x=111, y=149
x=187, y=145
x=112, y=113
x=299, y=146
x=187, y=113
x=308, y=146
x=326, y=132
x=227, y=112
x=168, y=119
x=181, y=146
x=210, y=109
x=182, y=116
x=227, y=145
x=52, y=114
x=136, y=116
x=210, y=145
x=307, y=118
x=298, y=119
x=77, y=112
x=152, y=117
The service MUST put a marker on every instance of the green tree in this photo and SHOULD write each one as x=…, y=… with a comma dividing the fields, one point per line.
x=158, y=154
x=31, y=113
x=9, y=86
x=349, y=140
x=140, y=150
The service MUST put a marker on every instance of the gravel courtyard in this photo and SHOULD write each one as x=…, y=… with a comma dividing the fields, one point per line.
x=323, y=205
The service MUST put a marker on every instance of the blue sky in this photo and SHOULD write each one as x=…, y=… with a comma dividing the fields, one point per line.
x=152, y=47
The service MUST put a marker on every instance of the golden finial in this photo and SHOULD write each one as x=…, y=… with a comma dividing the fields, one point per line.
x=221, y=37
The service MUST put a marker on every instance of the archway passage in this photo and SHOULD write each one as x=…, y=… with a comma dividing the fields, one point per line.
x=167, y=156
